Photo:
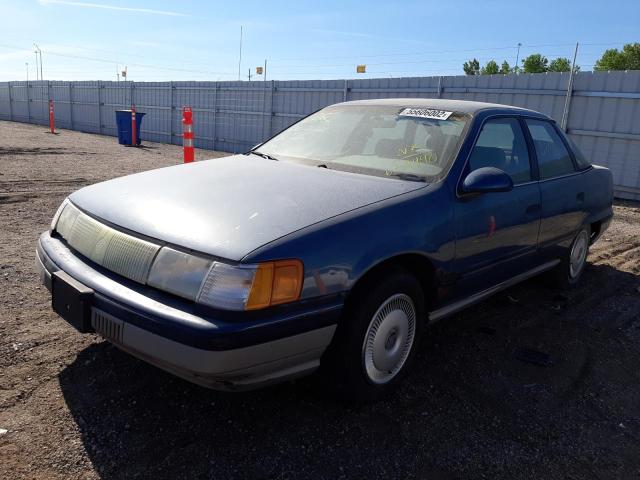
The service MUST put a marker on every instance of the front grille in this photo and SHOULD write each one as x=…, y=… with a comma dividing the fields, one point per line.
x=124, y=254
x=107, y=325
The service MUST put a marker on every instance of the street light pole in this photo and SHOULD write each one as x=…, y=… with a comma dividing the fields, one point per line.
x=27, y=64
x=38, y=51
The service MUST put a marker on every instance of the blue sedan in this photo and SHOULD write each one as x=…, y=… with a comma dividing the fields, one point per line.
x=334, y=244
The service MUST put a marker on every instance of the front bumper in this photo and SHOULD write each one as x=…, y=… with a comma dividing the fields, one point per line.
x=221, y=350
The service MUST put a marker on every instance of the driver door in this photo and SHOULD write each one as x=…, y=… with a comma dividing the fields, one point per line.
x=497, y=233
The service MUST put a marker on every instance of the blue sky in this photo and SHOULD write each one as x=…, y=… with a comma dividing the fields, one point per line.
x=197, y=40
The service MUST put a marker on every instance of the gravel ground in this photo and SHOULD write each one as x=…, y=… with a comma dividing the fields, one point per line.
x=73, y=406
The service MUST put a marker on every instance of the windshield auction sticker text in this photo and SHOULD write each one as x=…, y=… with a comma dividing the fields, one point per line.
x=425, y=113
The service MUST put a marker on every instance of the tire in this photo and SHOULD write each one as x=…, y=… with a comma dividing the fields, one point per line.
x=376, y=341
x=568, y=272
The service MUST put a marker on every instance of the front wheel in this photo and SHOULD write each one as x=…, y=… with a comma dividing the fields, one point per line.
x=378, y=336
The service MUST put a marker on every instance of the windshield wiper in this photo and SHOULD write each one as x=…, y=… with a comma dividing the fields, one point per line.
x=408, y=176
x=264, y=155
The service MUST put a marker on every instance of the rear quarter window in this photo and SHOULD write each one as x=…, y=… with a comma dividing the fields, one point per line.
x=554, y=159
x=581, y=160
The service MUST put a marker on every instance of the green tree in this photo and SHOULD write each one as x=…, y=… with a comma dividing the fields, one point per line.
x=472, y=67
x=505, y=68
x=535, y=63
x=560, y=64
x=626, y=59
x=491, y=68
x=611, y=59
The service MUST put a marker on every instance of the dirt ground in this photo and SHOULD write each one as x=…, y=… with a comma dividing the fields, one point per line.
x=73, y=406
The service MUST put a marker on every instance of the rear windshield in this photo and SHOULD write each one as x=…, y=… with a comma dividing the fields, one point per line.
x=388, y=141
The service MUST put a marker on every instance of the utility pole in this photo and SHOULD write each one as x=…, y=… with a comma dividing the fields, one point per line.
x=27, y=64
x=265, y=70
x=249, y=74
x=567, y=101
x=517, y=68
x=240, y=58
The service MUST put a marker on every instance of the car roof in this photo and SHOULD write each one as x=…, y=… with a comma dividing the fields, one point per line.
x=461, y=106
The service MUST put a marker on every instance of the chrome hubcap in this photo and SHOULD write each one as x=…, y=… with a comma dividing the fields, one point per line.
x=578, y=254
x=389, y=338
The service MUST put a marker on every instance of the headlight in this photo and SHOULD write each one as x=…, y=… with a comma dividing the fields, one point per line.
x=54, y=220
x=178, y=273
x=227, y=286
x=250, y=287
x=224, y=286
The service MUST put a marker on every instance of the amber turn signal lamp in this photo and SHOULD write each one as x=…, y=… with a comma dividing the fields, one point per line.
x=275, y=283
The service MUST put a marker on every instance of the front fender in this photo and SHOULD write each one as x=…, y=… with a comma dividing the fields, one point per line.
x=337, y=252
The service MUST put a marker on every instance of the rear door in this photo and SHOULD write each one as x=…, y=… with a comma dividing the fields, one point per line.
x=562, y=191
x=496, y=233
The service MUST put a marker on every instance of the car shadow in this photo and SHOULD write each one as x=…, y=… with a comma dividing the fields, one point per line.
x=479, y=400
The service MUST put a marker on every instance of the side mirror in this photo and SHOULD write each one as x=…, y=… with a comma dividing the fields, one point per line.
x=487, y=179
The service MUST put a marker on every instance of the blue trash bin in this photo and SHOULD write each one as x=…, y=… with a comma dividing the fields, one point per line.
x=123, y=122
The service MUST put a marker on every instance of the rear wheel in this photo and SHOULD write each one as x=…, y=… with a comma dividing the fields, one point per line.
x=572, y=265
x=378, y=336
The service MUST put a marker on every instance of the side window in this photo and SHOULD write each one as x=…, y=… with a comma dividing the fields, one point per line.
x=553, y=158
x=501, y=144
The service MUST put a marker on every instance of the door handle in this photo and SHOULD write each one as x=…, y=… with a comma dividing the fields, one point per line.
x=580, y=197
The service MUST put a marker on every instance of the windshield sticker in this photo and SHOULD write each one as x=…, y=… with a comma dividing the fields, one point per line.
x=425, y=113
x=416, y=154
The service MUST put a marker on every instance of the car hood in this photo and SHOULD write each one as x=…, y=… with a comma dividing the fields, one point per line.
x=228, y=207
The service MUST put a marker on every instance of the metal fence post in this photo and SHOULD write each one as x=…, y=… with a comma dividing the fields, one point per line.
x=71, y=104
x=10, y=102
x=345, y=92
x=271, y=112
x=171, y=89
x=440, y=87
x=264, y=111
x=235, y=119
x=28, y=105
x=43, y=107
x=100, y=102
x=48, y=91
x=215, y=112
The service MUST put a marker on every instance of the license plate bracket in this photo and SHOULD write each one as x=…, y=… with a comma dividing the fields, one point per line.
x=72, y=301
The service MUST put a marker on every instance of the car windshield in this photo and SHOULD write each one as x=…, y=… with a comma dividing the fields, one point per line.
x=387, y=141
